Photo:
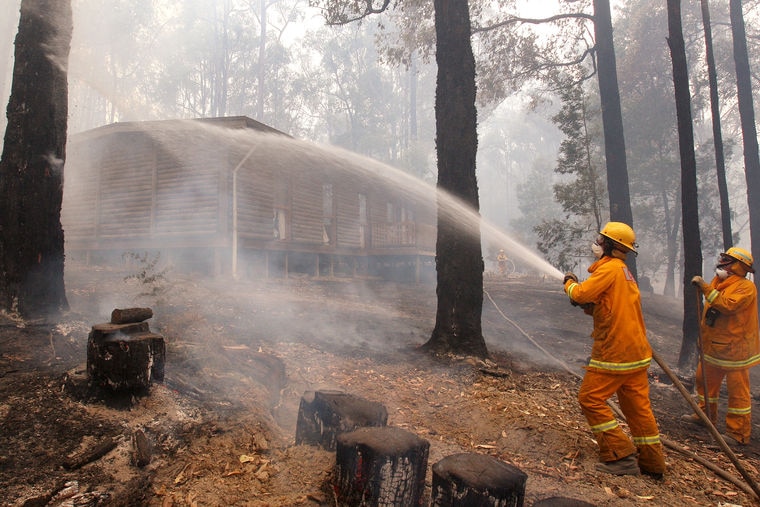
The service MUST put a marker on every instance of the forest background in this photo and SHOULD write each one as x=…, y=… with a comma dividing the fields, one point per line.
x=370, y=87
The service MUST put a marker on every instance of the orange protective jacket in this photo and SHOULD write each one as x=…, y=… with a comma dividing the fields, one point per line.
x=733, y=341
x=620, y=342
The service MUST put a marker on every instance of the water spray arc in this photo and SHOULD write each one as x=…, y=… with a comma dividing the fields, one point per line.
x=348, y=164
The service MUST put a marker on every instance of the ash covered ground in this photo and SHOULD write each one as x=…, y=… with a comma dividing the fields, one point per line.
x=221, y=426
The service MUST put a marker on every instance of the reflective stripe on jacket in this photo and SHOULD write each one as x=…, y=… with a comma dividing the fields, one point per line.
x=620, y=343
x=733, y=340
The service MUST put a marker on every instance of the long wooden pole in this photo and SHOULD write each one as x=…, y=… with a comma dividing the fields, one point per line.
x=710, y=426
x=701, y=350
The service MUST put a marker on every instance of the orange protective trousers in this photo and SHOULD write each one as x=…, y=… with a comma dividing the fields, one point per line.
x=633, y=395
x=739, y=413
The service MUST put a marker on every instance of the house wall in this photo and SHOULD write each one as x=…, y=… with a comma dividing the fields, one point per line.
x=170, y=188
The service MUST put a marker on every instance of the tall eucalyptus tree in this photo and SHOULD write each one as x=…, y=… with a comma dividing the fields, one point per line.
x=459, y=259
x=31, y=167
x=689, y=206
x=720, y=158
x=618, y=190
x=747, y=115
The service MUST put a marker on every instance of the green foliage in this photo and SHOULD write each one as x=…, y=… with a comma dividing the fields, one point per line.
x=581, y=190
x=578, y=154
x=561, y=243
x=152, y=281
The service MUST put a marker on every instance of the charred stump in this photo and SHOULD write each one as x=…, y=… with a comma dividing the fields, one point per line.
x=477, y=480
x=380, y=466
x=323, y=415
x=125, y=356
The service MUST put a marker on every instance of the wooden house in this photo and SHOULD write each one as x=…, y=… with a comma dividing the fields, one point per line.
x=233, y=196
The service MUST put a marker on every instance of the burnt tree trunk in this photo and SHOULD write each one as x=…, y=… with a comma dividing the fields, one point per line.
x=692, y=248
x=612, y=121
x=380, y=467
x=323, y=415
x=720, y=159
x=31, y=167
x=459, y=258
x=476, y=480
x=749, y=130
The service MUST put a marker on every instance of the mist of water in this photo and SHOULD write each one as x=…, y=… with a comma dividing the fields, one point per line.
x=285, y=151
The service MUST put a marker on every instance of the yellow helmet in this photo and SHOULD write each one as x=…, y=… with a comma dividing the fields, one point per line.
x=741, y=255
x=622, y=234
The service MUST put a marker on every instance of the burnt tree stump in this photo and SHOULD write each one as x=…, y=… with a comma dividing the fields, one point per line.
x=477, y=480
x=323, y=415
x=380, y=466
x=125, y=356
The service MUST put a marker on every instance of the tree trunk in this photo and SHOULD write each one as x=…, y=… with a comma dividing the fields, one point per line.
x=689, y=206
x=749, y=132
x=31, y=167
x=459, y=259
x=720, y=160
x=612, y=121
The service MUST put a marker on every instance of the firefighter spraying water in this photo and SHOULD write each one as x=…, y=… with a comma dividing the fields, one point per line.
x=620, y=358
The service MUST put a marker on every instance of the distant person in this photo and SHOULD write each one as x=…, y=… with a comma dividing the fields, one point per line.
x=501, y=262
x=620, y=358
x=730, y=343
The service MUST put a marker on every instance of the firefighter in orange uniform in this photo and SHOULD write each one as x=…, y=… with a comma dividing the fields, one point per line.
x=501, y=261
x=730, y=342
x=620, y=358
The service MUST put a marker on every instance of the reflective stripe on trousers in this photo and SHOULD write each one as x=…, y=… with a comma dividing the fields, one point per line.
x=633, y=395
x=739, y=412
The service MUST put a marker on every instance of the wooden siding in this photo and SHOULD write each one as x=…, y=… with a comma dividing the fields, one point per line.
x=186, y=194
x=157, y=184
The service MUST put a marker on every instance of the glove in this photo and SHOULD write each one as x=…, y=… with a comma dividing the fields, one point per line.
x=569, y=276
x=698, y=281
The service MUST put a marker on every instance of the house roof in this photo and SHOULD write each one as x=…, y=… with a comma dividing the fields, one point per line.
x=230, y=122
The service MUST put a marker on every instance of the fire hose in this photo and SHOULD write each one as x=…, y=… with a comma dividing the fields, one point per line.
x=750, y=487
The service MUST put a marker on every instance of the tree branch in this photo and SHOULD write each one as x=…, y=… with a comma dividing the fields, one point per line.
x=336, y=18
x=533, y=21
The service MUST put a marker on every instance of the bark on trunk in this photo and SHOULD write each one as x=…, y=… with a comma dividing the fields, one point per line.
x=459, y=259
x=720, y=159
x=31, y=168
x=612, y=121
x=692, y=245
x=749, y=131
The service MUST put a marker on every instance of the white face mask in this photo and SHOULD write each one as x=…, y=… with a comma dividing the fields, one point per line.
x=597, y=250
x=721, y=273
